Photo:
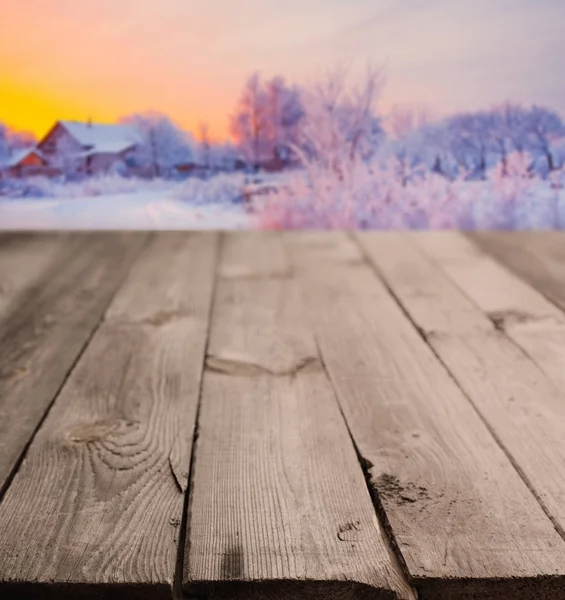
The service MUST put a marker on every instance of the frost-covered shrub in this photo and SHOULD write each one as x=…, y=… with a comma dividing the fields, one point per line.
x=219, y=189
x=376, y=197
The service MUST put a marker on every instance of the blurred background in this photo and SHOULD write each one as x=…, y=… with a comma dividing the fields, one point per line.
x=351, y=114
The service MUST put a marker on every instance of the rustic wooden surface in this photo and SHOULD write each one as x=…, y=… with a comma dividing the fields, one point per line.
x=45, y=324
x=442, y=480
x=537, y=328
x=278, y=492
x=503, y=384
x=524, y=314
x=99, y=497
x=299, y=415
x=253, y=254
x=538, y=258
x=23, y=258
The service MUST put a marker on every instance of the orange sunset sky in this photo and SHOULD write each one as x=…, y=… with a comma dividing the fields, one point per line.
x=103, y=59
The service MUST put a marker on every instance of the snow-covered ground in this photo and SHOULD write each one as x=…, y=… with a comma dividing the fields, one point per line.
x=364, y=198
x=141, y=210
x=192, y=204
x=374, y=197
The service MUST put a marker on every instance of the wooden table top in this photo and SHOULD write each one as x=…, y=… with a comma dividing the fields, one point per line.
x=282, y=415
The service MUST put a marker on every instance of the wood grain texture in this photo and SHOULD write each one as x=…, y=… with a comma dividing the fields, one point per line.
x=99, y=496
x=253, y=254
x=321, y=247
x=46, y=326
x=505, y=386
x=464, y=522
x=279, y=506
x=23, y=258
x=515, y=307
x=537, y=257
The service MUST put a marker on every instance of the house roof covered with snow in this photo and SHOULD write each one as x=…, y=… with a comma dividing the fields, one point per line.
x=103, y=138
x=19, y=156
x=108, y=148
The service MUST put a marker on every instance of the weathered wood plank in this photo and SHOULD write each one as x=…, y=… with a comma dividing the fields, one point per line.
x=96, y=507
x=465, y=523
x=23, y=258
x=523, y=409
x=46, y=325
x=321, y=247
x=523, y=313
x=253, y=254
x=537, y=257
x=279, y=506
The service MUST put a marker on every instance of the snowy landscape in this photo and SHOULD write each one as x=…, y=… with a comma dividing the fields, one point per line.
x=384, y=114
x=116, y=202
x=316, y=156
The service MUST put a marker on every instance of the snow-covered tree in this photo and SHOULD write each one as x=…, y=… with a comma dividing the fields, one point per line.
x=507, y=129
x=283, y=114
x=482, y=139
x=162, y=144
x=543, y=128
x=249, y=121
x=265, y=124
x=407, y=144
x=435, y=147
x=359, y=120
x=340, y=125
x=13, y=141
x=471, y=142
x=558, y=150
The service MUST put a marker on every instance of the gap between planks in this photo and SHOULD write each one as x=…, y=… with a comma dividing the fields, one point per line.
x=55, y=289
x=272, y=515
x=523, y=295
x=446, y=486
x=184, y=541
x=108, y=480
x=538, y=257
x=521, y=406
